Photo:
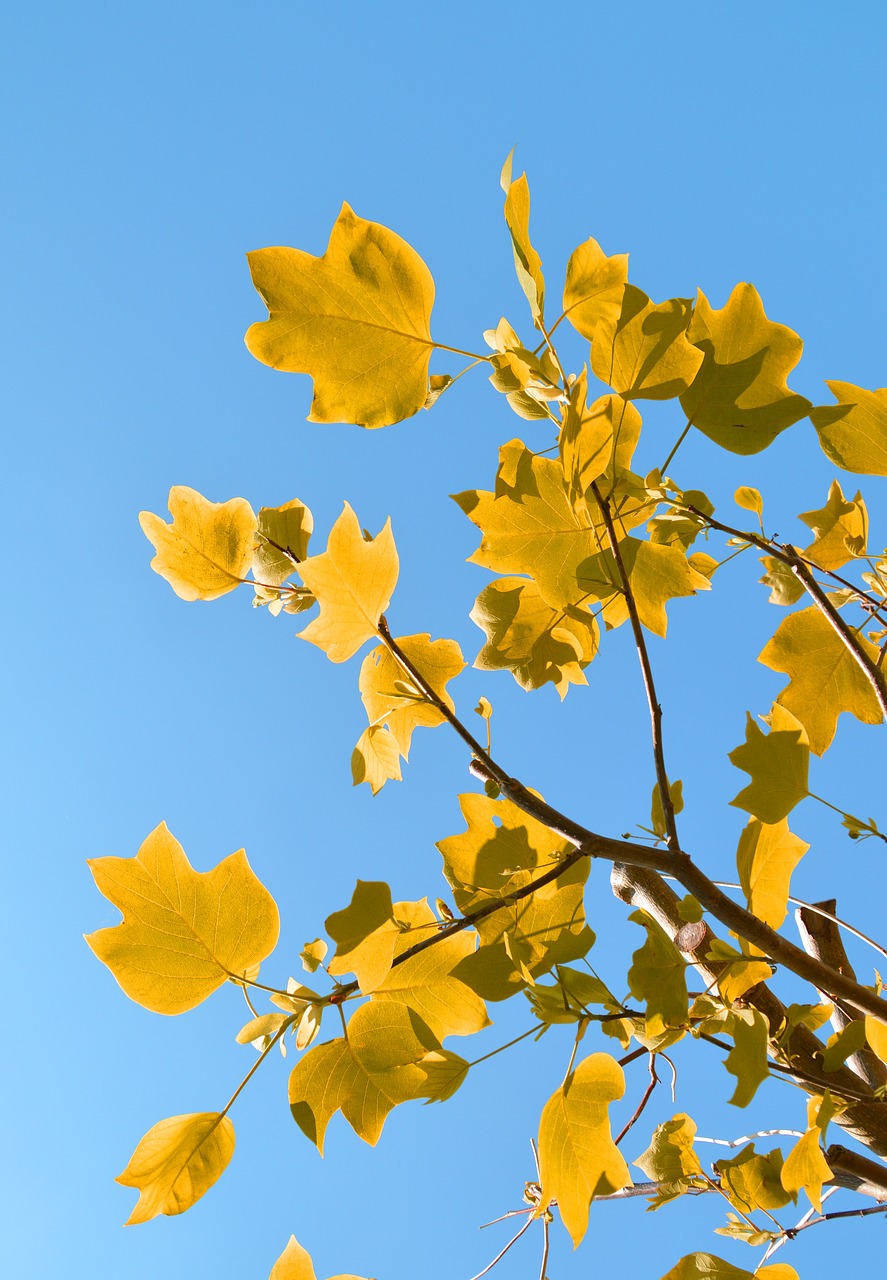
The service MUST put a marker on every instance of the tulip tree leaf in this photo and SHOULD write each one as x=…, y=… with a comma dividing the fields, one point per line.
x=376, y=758
x=778, y=764
x=529, y=638
x=295, y=1264
x=207, y=549
x=841, y=529
x=658, y=976
x=577, y=1156
x=596, y=439
x=288, y=527
x=177, y=1162
x=656, y=574
x=753, y=1181
x=747, y=1060
x=594, y=287
x=767, y=855
x=378, y=1065
x=365, y=933
x=824, y=678
x=353, y=580
x=740, y=398
x=527, y=262
x=853, y=432
x=426, y=982
x=671, y=1156
x=355, y=319
x=184, y=932
x=806, y=1168
x=643, y=353
x=707, y=1266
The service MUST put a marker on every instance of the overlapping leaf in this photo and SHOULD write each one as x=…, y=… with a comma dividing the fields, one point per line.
x=825, y=678
x=841, y=529
x=284, y=541
x=594, y=287
x=177, y=1162
x=355, y=319
x=365, y=933
x=658, y=976
x=527, y=262
x=643, y=353
x=207, y=549
x=184, y=932
x=707, y=1266
x=577, y=1156
x=853, y=432
x=597, y=439
x=778, y=764
x=753, y=1181
x=388, y=1057
x=656, y=574
x=740, y=398
x=353, y=581
x=747, y=1060
x=767, y=855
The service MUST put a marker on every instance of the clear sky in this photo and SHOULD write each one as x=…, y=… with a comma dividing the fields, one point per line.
x=146, y=149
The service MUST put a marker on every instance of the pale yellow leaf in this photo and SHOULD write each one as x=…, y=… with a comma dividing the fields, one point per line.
x=207, y=549
x=176, y=1162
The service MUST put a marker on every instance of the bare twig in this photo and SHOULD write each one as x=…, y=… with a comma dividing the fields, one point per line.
x=654, y=1080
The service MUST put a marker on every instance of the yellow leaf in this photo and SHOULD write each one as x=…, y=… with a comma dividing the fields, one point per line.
x=283, y=529
x=355, y=319
x=527, y=263
x=426, y=982
x=577, y=1156
x=643, y=353
x=753, y=1181
x=741, y=972
x=657, y=814
x=778, y=764
x=656, y=574
x=740, y=398
x=597, y=439
x=806, y=1168
x=365, y=933
x=353, y=580
x=529, y=638
x=594, y=287
x=825, y=679
x=747, y=1060
x=853, y=432
x=312, y=955
x=375, y=758
x=658, y=976
x=707, y=1266
x=207, y=549
x=184, y=932
x=841, y=529
x=176, y=1162
x=671, y=1156
x=388, y=694
x=766, y=857
x=295, y=1264
x=749, y=499
x=377, y=1066
x=876, y=1035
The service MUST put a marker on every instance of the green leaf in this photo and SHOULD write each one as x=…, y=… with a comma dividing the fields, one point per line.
x=657, y=816
x=355, y=319
x=177, y=1162
x=740, y=398
x=853, y=432
x=644, y=352
x=766, y=857
x=577, y=1156
x=777, y=762
x=825, y=679
x=747, y=1060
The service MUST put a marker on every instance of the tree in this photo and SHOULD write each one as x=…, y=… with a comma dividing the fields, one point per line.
x=587, y=546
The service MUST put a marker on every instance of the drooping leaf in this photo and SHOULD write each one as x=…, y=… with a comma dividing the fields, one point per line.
x=355, y=319
x=767, y=855
x=176, y=1162
x=841, y=529
x=740, y=398
x=594, y=287
x=353, y=580
x=529, y=638
x=184, y=932
x=376, y=758
x=747, y=1060
x=658, y=976
x=876, y=1035
x=671, y=1156
x=284, y=530
x=577, y=1156
x=426, y=982
x=643, y=353
x=656, y=574
x=259, y=1029
x=365, y=934
x=843, y=1044
x=778, y=763
x=706, y=1266
x=753, y=1181
x=825, y=679
x=569, y=999
x=502, y=850
x=597, y=439
x=527, y=379
x=853, y=432
x=313, y=954
x=389, y=695
x=377, y=1066
x=527, y=263
x=785, y=587
x=207, y=549
x=806, y=1168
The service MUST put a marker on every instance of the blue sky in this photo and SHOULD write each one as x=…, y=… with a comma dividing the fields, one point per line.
x=147, y=149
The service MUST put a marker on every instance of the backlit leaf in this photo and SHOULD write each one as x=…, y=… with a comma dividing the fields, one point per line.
x=656, y=574
x=753, y=1181
x=283, y=529
x=596, y=439
x=376, y=758
x=806, y=1168
x=295, y=1264
x=577, y=1156
x=365, y=934
x=527, y=263
x=853, y=432
x=671, y=1156
x=740, y=973
x=841, y=529
x=778, y=764
x=740, y=398
x=749, y=499
x=176, y=1162
x=529, y=638
x=313, y=954
x=355, y=319
x=207, y=548
x=658, y=976
x=353, y=580
x=706, y=1266
x=747, y=1060
x=643, y=353
x=594, y=287
x=825, y=679
x=767, y=855
x=184, y=932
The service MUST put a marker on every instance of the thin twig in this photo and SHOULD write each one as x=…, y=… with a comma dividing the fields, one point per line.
x=502, y=1252
x=654, y=1080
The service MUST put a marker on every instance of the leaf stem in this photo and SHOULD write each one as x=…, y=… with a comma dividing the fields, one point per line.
x=458, y=351
x=281, y=1031
x=502, y=1047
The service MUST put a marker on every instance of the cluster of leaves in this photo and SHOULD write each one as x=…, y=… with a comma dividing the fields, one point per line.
x=586, y=545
